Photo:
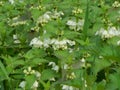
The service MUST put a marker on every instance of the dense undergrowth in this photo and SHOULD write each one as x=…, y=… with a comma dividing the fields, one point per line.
x=59, y=45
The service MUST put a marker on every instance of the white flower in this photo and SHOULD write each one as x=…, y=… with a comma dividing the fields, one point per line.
x=116, y=4
x=65, y=66
x=85, y=83
x=35, y=84
x=46, y=43
x=73, y=25
x=54, y=66
x=11, y=1
x=15, y=36
x=56, y=15
x=37, y=74
x=29, y=71
x=36, y=42
x=67, y=87
x=52, y=79
x=16, y=40
x=118, y=43
x=71, y=43
x=80, y=25
x=109, y=33
x=44, y=18
x=82, y=62
x=51, y=63
x=22, y=84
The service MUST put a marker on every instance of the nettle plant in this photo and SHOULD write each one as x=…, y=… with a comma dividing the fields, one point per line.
x=59, y=45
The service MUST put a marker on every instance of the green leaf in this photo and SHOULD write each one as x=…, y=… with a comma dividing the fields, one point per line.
x=100, y=64
x=30, y=79
x=3, y=69
x=71, y=34
x=47, y=74
x=101, y=85
x=86, y=23
x=36, y=61
x=114, y=83
x=35, y=52
x=35, y=14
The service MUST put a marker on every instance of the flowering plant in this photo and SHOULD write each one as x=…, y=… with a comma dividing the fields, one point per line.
x=59, y=44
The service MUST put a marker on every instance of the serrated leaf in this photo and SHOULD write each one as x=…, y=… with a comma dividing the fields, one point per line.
x=35, y=52
x=100, y=64
x=114, y=82
x=36, y=61
x=3, y=69
x=30, y=79
x=47, y=74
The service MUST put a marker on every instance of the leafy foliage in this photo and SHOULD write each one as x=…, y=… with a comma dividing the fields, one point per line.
x=59, y=44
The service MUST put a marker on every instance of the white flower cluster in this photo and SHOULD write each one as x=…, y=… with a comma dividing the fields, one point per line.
x=29, y=71
x=85, y=82
x=38, y=7
x=23, y=84
x=54, y=66
x=55, y=43
x=16, y=40
x=11, y=1
x=16, y=21
x=42, y=20
x=73, y=25
x=109, y=33
x=71, y=75
x=1, y=3
x=116, y=4
x=67, y=87
x=118, y=43
x=56, y=14
x=77, y=11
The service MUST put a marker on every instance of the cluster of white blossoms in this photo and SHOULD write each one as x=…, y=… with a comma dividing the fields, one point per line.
x=73, y=25
x=109, y=33
x=67, y=87
x=77, y=11
x=34, y=86
x=118, y=43
x=15, y=38
x=42, y=20
x=16, y=21
x=54, y=66
x=11, y=1
x=54, y=43
x=71, y=76
x=29, y=71
x=116, y=4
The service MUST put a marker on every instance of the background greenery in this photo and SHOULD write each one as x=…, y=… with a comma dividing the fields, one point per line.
x=93, y=63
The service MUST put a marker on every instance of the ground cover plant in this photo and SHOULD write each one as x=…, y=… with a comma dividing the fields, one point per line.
x=59, y=45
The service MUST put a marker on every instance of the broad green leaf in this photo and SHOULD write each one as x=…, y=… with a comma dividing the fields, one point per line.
x=100, y=64
x=36, y=61
x=47, y=74
x=3, y=69
x=35, y=52
x=114, y=82
x=30, y=79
